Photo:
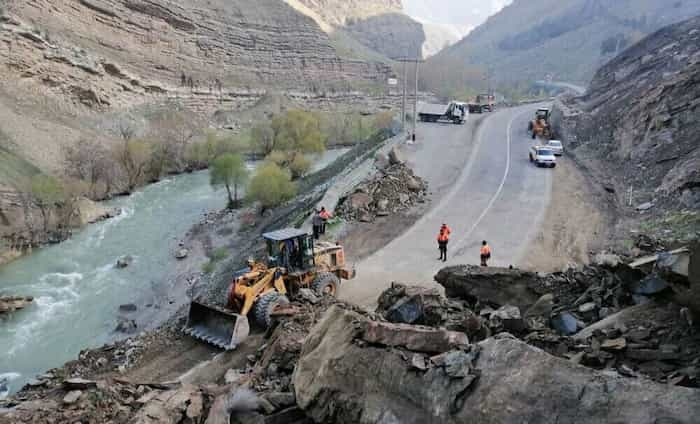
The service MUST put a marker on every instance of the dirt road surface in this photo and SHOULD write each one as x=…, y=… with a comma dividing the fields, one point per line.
x=484, y=188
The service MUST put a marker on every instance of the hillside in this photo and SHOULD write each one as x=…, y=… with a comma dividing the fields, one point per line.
x=567, y=41
x=63, y=59
x=637, y=126
x=366, y=28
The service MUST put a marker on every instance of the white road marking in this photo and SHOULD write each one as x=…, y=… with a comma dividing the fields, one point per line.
x=461, y=245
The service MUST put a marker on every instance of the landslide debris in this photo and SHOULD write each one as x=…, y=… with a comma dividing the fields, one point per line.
x=341, y=378
x=393, y=189
x=419, y=358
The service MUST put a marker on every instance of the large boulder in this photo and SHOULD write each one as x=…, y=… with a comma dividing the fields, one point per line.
x=413, y=305
x=496, y=286
x=520, y=383
x=341, y=379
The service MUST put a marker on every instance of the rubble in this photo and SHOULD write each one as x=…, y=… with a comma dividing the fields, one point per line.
x=392, y=189
x=501, y=379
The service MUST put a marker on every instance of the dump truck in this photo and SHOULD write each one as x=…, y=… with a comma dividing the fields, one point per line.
x=455, y=112
x=483, y=103
x=539, y=126
x=294, y=261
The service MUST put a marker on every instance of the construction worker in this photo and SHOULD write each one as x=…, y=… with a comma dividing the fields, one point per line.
x=443, y=239
x=325, y=216
x=317, y=224
x=485, y=253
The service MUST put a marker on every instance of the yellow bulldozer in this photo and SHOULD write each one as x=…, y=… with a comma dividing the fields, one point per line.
x=539, y=127
x=294, y=261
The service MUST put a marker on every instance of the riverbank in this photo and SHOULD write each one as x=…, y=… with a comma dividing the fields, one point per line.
x=79, y=290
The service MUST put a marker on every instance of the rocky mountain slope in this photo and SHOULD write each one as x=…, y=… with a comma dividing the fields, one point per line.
x=63, y=61
x=637, y=126
x=531, y=39
x=377, y=26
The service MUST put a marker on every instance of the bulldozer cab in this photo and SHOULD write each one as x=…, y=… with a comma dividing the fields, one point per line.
x=542, y=113
x=291, y=249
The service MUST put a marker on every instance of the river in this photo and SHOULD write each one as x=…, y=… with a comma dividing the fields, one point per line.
x=78, y=289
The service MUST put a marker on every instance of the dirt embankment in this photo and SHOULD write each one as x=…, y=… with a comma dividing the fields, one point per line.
x=578, y=221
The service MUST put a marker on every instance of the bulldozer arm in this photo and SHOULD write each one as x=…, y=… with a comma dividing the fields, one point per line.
x=216, y=326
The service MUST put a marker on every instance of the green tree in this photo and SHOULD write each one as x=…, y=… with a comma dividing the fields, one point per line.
x=298, y=133
x=271, y=186
x=230, y=171
x=300, y=166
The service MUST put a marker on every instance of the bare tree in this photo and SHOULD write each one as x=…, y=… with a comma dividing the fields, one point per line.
x=89, y=161
x=134, y=157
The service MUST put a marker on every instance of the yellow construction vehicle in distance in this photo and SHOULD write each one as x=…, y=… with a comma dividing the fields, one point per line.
x=294, y=262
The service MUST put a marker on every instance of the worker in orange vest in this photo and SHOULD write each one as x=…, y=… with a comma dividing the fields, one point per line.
x=485, y=253
x=325, y=216
x=443, y=238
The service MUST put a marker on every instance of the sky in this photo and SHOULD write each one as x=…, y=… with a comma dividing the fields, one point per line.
x=465, y=14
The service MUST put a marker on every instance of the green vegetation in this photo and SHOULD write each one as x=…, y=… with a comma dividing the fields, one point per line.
x=217, y=255
x=229, y=170
x=271, y=186
x=679, y=226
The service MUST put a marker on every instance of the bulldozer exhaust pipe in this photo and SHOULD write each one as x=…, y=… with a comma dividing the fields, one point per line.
x=216, y=326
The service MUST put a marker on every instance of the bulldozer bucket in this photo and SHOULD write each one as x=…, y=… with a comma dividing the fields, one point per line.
x=216, y=326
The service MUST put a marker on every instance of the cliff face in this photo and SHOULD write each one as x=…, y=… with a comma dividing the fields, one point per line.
x=394, y=35
x=103, y=53
x=637, y=126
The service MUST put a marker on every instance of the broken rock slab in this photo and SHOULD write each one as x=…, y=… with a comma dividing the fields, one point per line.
x=499, y=286
x=412, y=337
x=520, y=383
x=338, y=380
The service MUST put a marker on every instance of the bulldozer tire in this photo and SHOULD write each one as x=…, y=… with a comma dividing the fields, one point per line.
x=262, y=309
x=326, y=284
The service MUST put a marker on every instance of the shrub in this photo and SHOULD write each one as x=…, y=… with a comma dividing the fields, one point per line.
x=271, y=186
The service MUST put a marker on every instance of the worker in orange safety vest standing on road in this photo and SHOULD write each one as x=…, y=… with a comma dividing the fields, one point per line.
x=443, y=238
x=485, y=253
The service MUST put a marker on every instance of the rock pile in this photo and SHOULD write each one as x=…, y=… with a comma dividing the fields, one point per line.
x=393, y=189
x=605, y=317
x=14, y=303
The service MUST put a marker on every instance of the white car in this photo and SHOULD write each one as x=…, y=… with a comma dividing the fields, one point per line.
x=542, y=156
x=556, y=147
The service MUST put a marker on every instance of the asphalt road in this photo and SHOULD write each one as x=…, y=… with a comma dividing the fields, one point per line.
x=484, y=188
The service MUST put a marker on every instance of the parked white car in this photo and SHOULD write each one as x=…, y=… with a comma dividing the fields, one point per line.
x=542, y=156
x=556, y=146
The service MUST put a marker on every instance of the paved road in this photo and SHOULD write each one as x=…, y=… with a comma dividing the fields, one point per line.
x=485, y=188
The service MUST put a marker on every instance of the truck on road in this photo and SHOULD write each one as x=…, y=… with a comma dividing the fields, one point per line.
x=455, y=112
x=483, y=103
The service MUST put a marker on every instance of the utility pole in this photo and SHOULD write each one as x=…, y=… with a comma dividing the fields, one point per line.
x=405, y=91
x=415, y=106
x=405, y=62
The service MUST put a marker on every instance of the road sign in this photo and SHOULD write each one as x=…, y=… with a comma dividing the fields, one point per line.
x=393, y=81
